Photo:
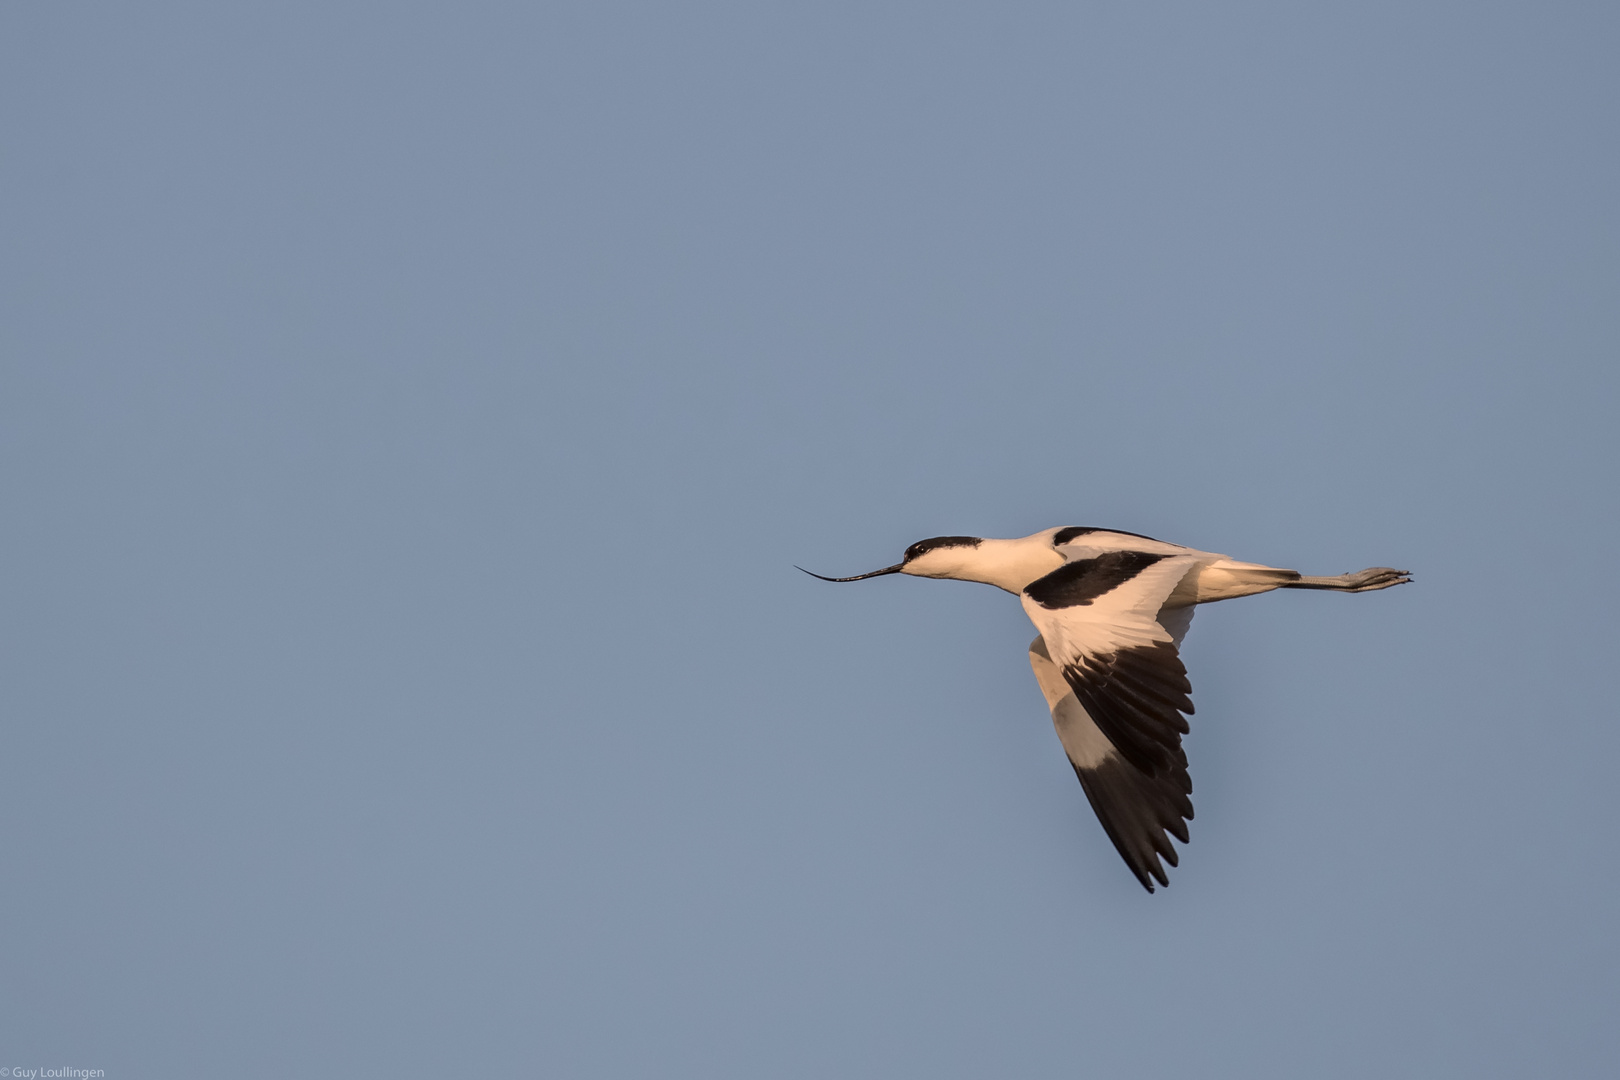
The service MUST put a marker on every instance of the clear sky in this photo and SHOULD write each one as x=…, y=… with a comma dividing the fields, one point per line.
x=410, y=416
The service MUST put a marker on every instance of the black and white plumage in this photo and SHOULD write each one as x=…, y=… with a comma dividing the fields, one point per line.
x=1112, y=608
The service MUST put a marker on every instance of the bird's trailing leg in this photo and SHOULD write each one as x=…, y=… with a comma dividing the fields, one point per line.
x=1369, y=580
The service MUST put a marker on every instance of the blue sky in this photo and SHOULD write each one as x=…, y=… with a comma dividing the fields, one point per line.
x=410, y=417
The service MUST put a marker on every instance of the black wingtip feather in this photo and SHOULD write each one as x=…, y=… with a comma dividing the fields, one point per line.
x=1139, y=813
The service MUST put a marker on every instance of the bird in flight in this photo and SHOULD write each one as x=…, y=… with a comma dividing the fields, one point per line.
x=1111, y=608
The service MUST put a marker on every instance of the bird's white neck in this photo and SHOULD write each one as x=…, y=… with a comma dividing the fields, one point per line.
x=1006, y=564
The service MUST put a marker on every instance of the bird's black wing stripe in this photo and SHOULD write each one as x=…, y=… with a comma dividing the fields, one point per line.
x=1084, y=580
x=1137, y=811
x=1136, y=696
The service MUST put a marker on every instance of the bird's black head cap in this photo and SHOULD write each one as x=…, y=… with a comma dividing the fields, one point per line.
x=923, y=547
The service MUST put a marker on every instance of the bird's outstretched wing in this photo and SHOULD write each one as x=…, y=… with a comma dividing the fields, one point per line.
x=1138, y=812
x=1106, y=660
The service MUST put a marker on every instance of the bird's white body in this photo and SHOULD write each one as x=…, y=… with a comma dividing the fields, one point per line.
x=1112, y=608
x=1013, y=564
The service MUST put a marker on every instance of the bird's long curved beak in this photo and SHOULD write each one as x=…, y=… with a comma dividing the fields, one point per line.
x=895, y=569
